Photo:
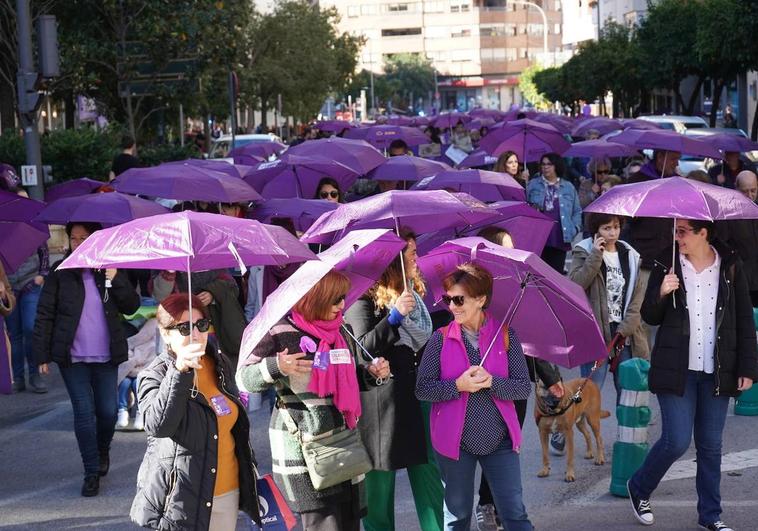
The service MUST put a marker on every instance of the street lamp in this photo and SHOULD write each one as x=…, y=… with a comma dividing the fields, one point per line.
x=544, y=22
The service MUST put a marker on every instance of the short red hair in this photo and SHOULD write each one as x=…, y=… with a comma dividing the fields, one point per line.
x=172, y=307
x=317, y=303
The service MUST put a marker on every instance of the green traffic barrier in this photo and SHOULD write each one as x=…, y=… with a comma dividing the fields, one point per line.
x=747, y=403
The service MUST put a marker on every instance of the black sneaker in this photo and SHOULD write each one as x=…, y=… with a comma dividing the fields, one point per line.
x=716, y=526
x=91, y=485
x=642, y=510
x=557, y=443
x=105, y=463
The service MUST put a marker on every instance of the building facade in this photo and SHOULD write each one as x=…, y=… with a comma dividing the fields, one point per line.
x=478, y=47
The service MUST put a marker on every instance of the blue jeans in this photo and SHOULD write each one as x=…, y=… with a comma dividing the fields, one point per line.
x=127, y=385
x=503, y=472
x=20, y=325
x=92, y=389
x=697, y=409
x=598, y=377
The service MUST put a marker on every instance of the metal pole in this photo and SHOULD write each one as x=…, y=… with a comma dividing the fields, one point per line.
x=373, y=101
x=28, y=96
x=233, y=106
x=544, y=23
x=181, y=125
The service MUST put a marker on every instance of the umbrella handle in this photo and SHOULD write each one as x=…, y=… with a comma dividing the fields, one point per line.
x=402, y=259
x=673, y=258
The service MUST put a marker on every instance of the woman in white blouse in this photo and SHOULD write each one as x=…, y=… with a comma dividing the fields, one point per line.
x=704, y=353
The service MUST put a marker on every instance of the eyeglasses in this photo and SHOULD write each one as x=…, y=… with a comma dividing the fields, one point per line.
x=458, y=300
x=202, y=325
x=603, y=172
x=338, y=300
x=681, y=233
x=333, y=194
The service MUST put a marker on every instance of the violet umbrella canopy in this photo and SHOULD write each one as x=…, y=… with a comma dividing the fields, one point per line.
x=664, y=140
x=185, y=182
x=420, y=211
x=298, y=176
x=550, y=314
x=675, y=197
x=19, y=235
x=730, y=143
x=600, y=148
x=362, y=255
x=396, y=119
x=478, y=123
x=530, y=140
x=601, y=125
x=74, y=187
x=302, y=212
x=188, y=241
x=410, y=169
x=357, y=155
x=449, y=120
x=477, y=159
x=563, y=124
x=482, y=184
x=256, y=151
x=529, y=228
x=492, y=114
x=333, y=126
x=232, y=170
x=381, y=136
x=108, y=209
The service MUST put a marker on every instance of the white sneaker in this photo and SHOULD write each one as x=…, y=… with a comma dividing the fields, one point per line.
x=122, y=421
x=139, y=425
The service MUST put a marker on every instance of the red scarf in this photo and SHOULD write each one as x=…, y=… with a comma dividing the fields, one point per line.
x=338, y=380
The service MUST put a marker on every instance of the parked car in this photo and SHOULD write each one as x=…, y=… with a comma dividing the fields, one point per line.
x=223, y=144
x=693, y=162
x=675, y=122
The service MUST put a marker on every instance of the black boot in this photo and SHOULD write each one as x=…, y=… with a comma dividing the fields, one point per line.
x=105, y=463
x=91, y=485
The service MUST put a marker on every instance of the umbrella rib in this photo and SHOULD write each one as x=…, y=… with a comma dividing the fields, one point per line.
x=563, y=331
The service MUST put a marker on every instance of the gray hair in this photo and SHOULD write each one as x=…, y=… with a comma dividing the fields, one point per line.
x=598, y=161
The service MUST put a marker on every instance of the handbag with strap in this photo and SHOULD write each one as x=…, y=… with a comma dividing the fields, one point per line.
x=331, y=459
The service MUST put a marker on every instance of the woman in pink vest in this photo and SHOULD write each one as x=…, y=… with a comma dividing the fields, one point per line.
x=473, y=417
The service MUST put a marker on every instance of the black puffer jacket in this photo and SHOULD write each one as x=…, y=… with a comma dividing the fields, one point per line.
x=60, y=308
x=175, y=482
x=735, y=352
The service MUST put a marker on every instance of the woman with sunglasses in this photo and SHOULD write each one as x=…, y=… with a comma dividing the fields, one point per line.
x=329, y=190
x=598, y=168
x=472, y=371
x=197, y=472
x=704, y=353
x=78, y=326
x=394, y=323
x=557, y=198
x=284, y=359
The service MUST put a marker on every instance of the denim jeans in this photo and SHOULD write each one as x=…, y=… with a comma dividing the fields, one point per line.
x=20, y=325
x=92, y=389
x=127, y=385
x=698, y=409
x=503, y=472
x=599, y=376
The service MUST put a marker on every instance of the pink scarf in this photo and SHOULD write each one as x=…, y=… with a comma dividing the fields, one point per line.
x=339, y=379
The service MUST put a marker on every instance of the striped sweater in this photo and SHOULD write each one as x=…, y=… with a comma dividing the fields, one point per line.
x=313, y=415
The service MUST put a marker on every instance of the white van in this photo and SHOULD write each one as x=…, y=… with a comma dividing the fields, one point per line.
x=676, y=122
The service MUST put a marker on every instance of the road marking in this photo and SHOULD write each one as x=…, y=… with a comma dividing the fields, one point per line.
x=687, y=468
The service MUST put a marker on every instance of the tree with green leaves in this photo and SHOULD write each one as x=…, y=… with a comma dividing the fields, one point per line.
x=530, y=90
x=409, y=76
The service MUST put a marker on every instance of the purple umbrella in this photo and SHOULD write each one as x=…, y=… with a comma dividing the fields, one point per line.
x=74, y=187
x=381, y=136
x=601, y=125
x=421, y=211
x=420, y=121
x=110, y=209
x=664, y=140
x=14, y=207
x=492, y=114
x=333, y=126
x=362, y=255
x=396, y=119
x=449, y=120
x=185, y=182
x=232, y=170
x=302, y=212
x=298, y=176
x=357, y=155
x=730, y=143
x=18, y=241
x=481, y=184
x=257, y=151
x=563, y=124
x=409, y=169
x=600, y=148
x=528, y=227
x=550, y=314
x=477, y=159
x=478, y=123
x=527, y=138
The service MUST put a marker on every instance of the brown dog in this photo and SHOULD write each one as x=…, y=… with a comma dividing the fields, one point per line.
x=588, y=410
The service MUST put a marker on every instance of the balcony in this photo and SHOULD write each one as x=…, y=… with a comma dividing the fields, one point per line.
x=504, y=67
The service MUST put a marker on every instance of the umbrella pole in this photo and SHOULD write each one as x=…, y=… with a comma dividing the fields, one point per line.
x=189, y=294
x=507, y=318
x=673, y=256
x=402, y=259
x=663, y=169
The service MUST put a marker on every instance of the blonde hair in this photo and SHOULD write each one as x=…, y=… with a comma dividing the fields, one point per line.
x=390, y=285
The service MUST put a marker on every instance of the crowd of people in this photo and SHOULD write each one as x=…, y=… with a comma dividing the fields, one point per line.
x=433, y=392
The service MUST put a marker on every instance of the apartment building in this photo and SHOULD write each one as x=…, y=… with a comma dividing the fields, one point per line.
x=479, y=47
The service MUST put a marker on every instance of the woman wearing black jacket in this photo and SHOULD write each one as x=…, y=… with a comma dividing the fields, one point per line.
x=78, y=326
x=198, y=470
x=704, y=353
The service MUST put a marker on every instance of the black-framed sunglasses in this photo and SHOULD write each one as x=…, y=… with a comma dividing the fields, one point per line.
x=334, y=194
x=202, y=325
x=458, y=300
x=603, y=172
x=338, y=300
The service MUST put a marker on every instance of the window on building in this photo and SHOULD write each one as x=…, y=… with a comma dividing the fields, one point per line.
x=368, y=9
x=400, y=32
x=534, y=29
x=434, y=7
x=492, y=30
x=557, y=5
x=353, y=11
x=398, y=8
x=511, y=54
x=557, y=29
x=461, y=32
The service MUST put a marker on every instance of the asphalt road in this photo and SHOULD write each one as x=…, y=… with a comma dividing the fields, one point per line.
x=42, y=473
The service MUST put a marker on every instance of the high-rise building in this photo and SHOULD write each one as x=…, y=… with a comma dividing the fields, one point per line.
x=478, y=47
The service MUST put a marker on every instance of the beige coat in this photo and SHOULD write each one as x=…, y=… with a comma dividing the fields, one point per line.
x=586, y=270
